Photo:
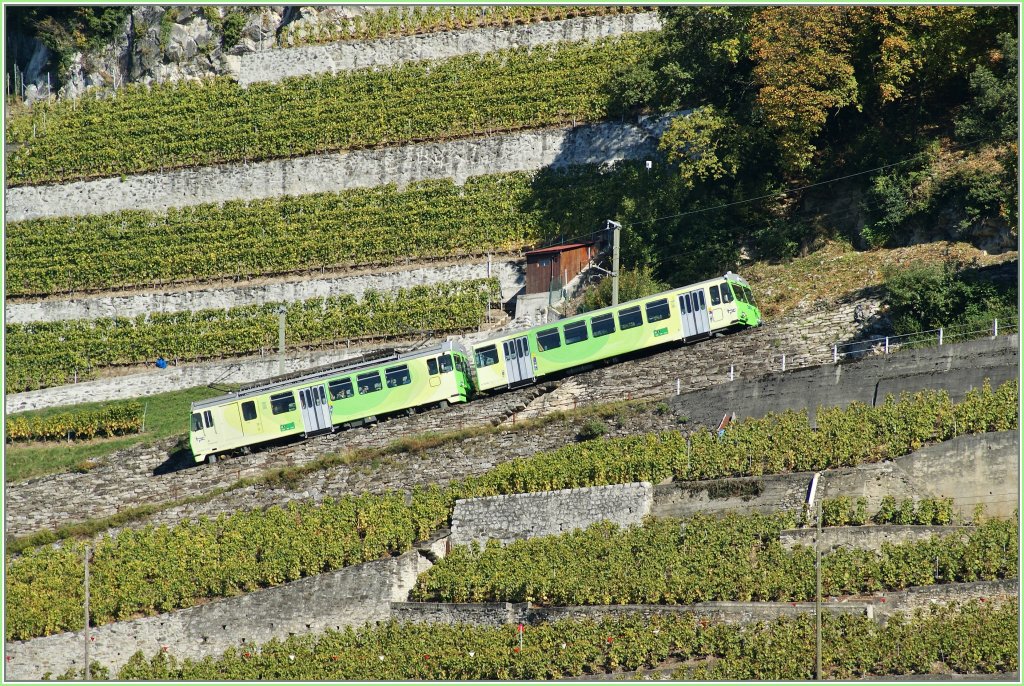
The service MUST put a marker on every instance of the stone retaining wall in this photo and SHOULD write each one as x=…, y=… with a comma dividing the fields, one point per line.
x=528, y=150
x=509, y=272
x=275, y=65
x=192, y=375
x=880, y=606
x=865, y=537
x=508, y=518
x=351, y=596
x=141, y=475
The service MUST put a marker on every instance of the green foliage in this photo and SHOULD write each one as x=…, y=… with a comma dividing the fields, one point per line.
x=319, y=231
x=591, y=429
x=67, y=30
x=695, y=144
x=835, y=511
x=159, y=569
x=45, y=354
x=115, y=419
x=402, y=21
x=924, y=297
x=937, y=511
x=992, y=112
x=231, y=27
x=633, y=283
x=804, y=72
x=215, y=121
x=738, y=557
x=968, y=638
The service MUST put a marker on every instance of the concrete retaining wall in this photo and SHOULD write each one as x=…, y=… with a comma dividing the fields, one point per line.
x=955, y=368
x=509, y=272
x=348, y=597
x=274, y=65
x=509, y=518
x=972, y=470
x=460, y=159
x=981, y=468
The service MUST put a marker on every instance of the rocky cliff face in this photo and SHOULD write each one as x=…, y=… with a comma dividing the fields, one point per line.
x=171, y=43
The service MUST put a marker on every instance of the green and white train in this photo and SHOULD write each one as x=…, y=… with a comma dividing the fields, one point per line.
x=361, y=391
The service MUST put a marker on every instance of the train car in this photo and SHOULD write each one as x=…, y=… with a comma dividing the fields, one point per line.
x=317, y=402
x=690, y=313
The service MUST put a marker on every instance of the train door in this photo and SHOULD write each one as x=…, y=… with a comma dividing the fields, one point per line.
x=518, y=364
x=694, y=311
x=316, y=413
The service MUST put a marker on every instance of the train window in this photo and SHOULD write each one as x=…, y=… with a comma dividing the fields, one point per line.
x=197, y=422
x=445, y=362
x=485, y=357
x=726, y=293
x=432, y=366
x=602, y=325
x=630, y=318
x=340, y=389
x=703, y=303
x=208, y=417
x=460, y=364
x=750, y=296
x=398, y=376
x=249, y=410
x=369, y=383
x=575, y=332
x=657, y=310
x=548, y=340
x=715, y=298
x=740, y=295
x=282, y=402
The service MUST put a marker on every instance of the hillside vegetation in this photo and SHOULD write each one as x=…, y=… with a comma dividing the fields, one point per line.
x=215, y=121
x=157, y=569
x=46, y=354
x=969, y=638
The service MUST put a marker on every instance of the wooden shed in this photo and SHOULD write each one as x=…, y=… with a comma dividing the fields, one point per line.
x=553, y=267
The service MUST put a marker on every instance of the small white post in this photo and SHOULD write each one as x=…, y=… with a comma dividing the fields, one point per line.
x=731, y=372
x=995, y=328
x=677, y=386
x=940, y=335
x=886, y=345
x=145, y=408
x=835, y=353
x=783, y=363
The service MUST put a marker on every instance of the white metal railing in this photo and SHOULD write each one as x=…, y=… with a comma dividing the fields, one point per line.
x=885, y=344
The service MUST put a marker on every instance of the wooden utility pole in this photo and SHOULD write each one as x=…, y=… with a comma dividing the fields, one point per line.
x=88, y=551
x=616, y=227
x=282, y=311
x=817, y=595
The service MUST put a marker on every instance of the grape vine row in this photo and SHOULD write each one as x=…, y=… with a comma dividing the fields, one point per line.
x=159, y=569
x=43, y=354
x=146, y=128
x=374, y=226
x=967, y=638
x=389, y=22
x=112, y=420
x=738, y=558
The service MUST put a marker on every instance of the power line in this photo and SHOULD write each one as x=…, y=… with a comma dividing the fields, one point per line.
x=799, y=188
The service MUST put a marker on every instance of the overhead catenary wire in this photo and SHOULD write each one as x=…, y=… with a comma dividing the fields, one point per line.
x=767, y=196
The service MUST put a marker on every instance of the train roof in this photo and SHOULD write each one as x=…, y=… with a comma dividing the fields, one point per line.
x=286, y=381
x=730, y=276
